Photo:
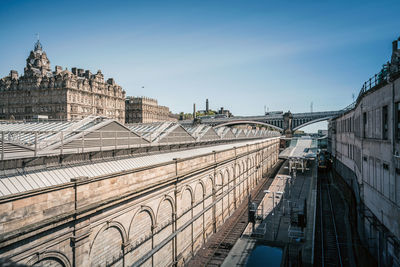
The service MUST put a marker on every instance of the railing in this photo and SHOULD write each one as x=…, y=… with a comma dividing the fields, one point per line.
x=377, y=79
x=34, y=143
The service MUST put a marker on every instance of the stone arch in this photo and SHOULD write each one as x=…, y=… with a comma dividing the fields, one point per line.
x=225, y=176
x=253, y=170
x=247, y=175
x=242, y=180
x=221, y=174
x=108, y=236
x=165, y=226
x=49, y=258
x=185, y=204
x=228, y=173
x=230, y=188
x=108, y=225
x=208, y=219
x=219, y=186
x=248, y=163
x=198, y=224
x=143, y=209
x=141, y=234
x=231, y=169
x=196, y=192
x=188, y=188
x=209, y=185
x=146, y=209
x=170, y=200
x=238, y=169
x=184, y=214
x=225, y=188
x=237, y=181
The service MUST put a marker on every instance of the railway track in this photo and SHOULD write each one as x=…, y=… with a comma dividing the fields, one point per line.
x=331, y=248
x=219, y=245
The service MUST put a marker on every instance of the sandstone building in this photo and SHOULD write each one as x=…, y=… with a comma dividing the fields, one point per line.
x=62, y=94
x=144, y=110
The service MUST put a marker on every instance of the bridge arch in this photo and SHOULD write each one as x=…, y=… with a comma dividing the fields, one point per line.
x=249, y=122
x=311, y=122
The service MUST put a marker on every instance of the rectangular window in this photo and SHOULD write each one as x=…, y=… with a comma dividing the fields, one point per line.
x=385, y=122
x=365, y=124
x=385, y=179
x=397, y=124
x=371, y=173
x=378, y=169
x=350, y=125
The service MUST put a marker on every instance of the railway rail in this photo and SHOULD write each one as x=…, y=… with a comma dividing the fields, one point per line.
x=331, y=244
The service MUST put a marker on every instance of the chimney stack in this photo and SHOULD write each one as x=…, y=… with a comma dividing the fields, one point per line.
x=58, y=69
x=207, y=108
x=194, y=110
x=14, y=74
x=394, y=45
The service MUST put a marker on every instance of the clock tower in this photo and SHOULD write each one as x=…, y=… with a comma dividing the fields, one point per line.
x=37, y=63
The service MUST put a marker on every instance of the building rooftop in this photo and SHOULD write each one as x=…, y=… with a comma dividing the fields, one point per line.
x=94, y=133
x=22, y=180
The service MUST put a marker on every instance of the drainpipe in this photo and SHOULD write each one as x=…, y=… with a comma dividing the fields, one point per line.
x=234, y=180
x=175, y=218
x=214, y=208
x=394, y=152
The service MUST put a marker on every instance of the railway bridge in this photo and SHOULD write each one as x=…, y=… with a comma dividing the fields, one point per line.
x=284, y=122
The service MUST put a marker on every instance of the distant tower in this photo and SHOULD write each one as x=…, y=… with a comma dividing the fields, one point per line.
x=194, y=110
x=37, y=63
x=207, y=107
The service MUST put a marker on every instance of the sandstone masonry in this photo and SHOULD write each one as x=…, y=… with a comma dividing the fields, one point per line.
x=145, y=110
x=62, y=94
x=151, y=216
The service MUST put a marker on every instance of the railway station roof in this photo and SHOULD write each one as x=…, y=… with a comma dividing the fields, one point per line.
x=203, y=132
x=300, y=148
x=22, y=180
x=162, y=132
x=225, y=133
x=94, y=133
x=239, y=133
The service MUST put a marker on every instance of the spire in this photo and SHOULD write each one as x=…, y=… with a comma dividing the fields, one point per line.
x=38, y=45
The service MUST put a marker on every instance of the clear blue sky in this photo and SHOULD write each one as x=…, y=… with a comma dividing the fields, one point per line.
x=241, y=55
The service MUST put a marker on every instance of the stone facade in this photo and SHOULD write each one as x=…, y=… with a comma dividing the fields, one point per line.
x=152, y=216
x=145, y=110
x=62, y=94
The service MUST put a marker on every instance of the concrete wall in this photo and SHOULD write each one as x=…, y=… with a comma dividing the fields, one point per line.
x=360, y=145
x=154, y=216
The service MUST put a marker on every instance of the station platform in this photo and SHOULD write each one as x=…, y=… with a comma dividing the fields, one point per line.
x=288, y=204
